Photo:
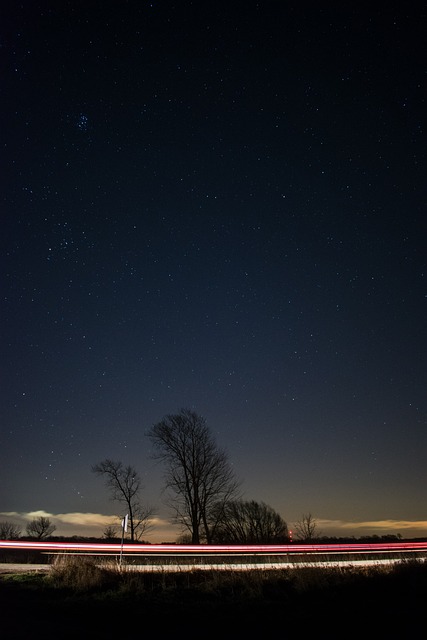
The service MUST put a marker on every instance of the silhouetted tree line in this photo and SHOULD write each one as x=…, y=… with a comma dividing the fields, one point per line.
x=201, y=490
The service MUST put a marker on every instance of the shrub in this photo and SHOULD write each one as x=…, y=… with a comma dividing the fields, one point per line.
x=82, y=574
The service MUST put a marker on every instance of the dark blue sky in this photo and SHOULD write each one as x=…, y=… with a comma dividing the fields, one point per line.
x=222, y=207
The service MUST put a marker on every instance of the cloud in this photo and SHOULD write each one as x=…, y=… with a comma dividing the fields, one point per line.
x=86, y=519
x=373, y=526
x=73, y=519
x=94, y=524
x=89, y=524
x=83, y=519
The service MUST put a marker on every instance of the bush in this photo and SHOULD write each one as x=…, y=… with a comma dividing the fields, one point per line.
x=82, y=574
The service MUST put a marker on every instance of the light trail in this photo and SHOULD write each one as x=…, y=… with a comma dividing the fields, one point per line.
x=203, y=549
x=174, y=557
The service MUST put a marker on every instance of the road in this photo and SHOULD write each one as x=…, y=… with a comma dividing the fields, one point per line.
x=170, y=557
x=6, y=568
x=12, y=568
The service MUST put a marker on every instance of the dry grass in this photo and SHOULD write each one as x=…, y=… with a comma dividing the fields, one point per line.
x=85, y=574
x=80, y=594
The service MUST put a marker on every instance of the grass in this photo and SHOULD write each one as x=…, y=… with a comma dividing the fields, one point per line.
x=78, y=595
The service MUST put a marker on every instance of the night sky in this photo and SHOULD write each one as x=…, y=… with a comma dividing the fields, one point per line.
x=216, y=206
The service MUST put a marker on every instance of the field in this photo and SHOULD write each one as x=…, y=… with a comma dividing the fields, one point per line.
x=79, y=599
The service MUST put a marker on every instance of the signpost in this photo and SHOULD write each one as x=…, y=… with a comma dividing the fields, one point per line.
x=124, y=528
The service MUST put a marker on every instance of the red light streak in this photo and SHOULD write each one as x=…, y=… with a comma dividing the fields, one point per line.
x=175, y=549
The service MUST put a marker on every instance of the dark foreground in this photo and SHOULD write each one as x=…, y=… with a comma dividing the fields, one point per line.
x=319, y=603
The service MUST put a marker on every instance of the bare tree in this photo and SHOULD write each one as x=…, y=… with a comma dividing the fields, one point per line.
x=110, y=533
x=250, y=522
x=198, y=475
x=9, y=531
x=306, y=528
x=125, y=486
x=40, y=528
